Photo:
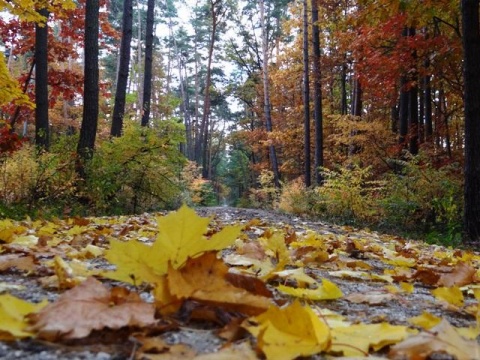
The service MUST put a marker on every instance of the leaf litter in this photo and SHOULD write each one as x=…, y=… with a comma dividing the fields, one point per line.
x=224, y=283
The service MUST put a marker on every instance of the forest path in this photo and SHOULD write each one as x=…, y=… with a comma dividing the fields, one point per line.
x=366, y=266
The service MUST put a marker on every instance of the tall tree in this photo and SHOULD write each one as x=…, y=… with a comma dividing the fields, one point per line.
x=217, y=10
x=88, y=131
x=42, y=137
x=317, y=94
x=147, y=77
x=266, y=95
x=306, y=97
x=123, y=69
x=471, y=49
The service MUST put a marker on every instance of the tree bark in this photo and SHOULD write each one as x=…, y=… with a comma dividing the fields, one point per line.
x=306, y=98
x=42, y=132
x=317, y=95
x=471, y=49
x=88, y=130
x=204, y=126
x=266, y=96
x=147, y=78
x=124, y=68
x=413, y=107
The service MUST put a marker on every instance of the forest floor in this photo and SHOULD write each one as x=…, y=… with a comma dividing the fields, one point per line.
x=384, y=279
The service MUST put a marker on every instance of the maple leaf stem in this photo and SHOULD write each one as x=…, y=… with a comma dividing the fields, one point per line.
x=352, y=347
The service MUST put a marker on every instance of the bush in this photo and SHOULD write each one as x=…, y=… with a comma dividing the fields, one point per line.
x=295, y=198
x=33, y=182
x=349, y=195
x=423, y=198
x=139, y=171
x=266, y=196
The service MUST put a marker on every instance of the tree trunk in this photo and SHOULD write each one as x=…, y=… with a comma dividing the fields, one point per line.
x=306, y=97
x=124, y=68
x=139, y=60
x=471, y=49
x=266, y=95
x=42, y=132
x=428, y=110
x=413, y=107
x=88, y=130
x=204, y=127
x=147, y=78
x=317, y=95
x=343, y=83
x=357, y=104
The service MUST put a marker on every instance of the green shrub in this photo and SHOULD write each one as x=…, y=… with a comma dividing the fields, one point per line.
x=423, y=198
x=33, y=182
x=139, y=171
x=348, y=195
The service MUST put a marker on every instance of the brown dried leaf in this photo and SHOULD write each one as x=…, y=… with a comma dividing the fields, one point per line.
x=443, y=338
x=91, y=306
x=17, y=261
x=205, y=279
x=462, y=274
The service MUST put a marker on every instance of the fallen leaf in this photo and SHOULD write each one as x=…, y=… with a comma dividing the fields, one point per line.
x=357, y=339
x=90, y=306
x=135, y=262
x=425, y=320
x=298, y=275
x=20, y=262
x=290, y=332
x=205, y=279
x=462, y=274
x=180, y=236
x=12, y=312
x=443, y=338
x=452, y=295
x=327, y=290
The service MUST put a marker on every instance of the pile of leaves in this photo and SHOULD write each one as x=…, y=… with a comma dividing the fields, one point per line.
x=275, y=292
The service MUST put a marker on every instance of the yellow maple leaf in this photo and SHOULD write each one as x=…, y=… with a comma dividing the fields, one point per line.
x=181, y=236
x=12, y=312
x=135, y=262
x=327, y=290
x=357, y=339
x=425, y=320
x=452, y=295
x=284, y=334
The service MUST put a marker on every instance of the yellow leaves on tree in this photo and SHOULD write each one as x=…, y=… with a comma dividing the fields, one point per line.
x=91, y=306
x=287, y=333
x=12, y=314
